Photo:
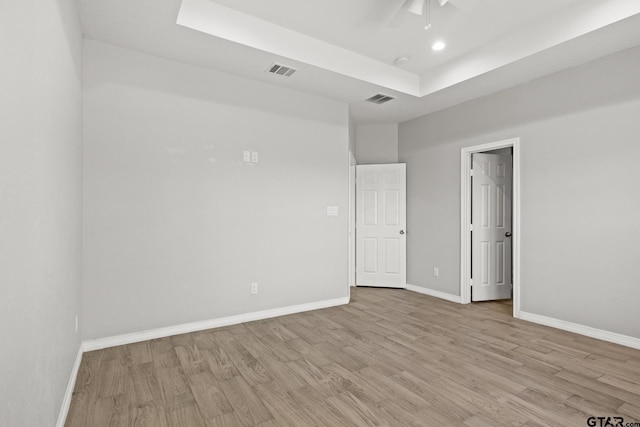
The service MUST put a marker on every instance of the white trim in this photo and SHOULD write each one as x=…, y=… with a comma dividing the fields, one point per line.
x=465, y=218
x=465, y=227
x=66, y=400
x=352, y=220
x=582, y=329
x=185, y=328
x=432, y=293
x=516, y=229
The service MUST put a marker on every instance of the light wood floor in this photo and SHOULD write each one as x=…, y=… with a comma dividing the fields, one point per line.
x=391, y=357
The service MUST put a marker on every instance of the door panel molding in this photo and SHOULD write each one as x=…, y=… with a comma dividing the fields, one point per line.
x=465, y=218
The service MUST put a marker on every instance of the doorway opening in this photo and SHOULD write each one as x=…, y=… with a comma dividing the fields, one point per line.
x=490, y=223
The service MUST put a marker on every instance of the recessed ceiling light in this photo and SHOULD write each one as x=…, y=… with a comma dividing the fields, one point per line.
x=439, y=45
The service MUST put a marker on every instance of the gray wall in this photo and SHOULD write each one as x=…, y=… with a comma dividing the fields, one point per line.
x=580, y=134
x=40, y=206
x=376, y=143
x=176, y=226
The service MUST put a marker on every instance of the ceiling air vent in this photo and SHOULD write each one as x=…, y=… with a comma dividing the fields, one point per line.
x=380, y=98
x=281, y=70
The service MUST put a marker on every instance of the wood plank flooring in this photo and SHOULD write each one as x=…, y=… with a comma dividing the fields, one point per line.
x=389, y=358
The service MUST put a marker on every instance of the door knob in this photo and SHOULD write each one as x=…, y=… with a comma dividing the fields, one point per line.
x=401, y=231
x=507, y=234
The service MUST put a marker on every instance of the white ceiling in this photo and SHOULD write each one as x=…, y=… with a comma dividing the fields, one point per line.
x=360, y=25
x=345, y=50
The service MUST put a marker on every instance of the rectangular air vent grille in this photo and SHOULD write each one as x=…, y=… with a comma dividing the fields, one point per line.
x=380, y=98
x=281, y=70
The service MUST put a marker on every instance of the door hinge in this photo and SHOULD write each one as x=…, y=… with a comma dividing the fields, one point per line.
x=471, y=172
x=470, y=227
x=470, y=282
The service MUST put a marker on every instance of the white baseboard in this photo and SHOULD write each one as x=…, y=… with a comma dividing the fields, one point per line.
x=582, y=330
x=99, y=344
x=66, y=401
x=432, y=293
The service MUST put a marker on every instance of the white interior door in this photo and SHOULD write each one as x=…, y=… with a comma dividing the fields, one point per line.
x=381, y=246
x=491, y=227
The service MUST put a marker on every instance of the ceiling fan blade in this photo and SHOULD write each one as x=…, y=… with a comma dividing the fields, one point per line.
x=396, y=15
x=416, y=6
x=464, y=5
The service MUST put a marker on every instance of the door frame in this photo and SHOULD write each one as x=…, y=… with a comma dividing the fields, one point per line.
x=352, y=222
x=465, y=218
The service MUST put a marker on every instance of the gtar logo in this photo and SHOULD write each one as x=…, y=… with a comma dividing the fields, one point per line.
x=605, y=422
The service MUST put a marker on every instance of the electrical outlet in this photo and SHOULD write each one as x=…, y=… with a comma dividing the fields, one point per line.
x=254, y=157
x=332, y=211
x=76, y=323
x=246, y=156
x=254, y=288
x=436, y=272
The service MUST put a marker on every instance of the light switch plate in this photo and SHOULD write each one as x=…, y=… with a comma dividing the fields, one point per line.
x=332, y=211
